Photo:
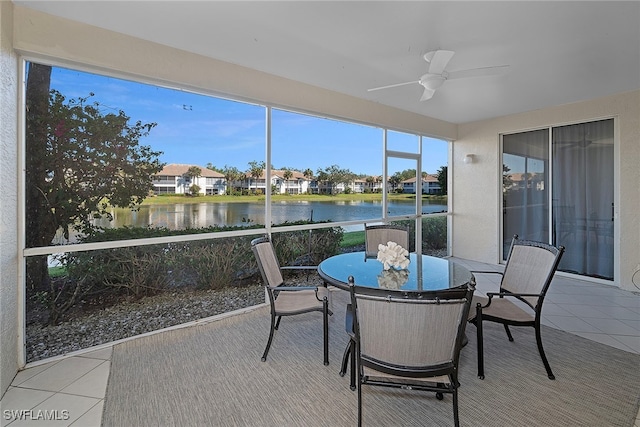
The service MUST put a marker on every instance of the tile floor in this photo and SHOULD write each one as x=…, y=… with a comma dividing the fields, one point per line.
x=70, y=391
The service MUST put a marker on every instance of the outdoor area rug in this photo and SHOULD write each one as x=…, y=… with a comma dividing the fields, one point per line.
x=212, y=375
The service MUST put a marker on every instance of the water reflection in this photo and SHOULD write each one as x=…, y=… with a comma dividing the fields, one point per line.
x=194, y=215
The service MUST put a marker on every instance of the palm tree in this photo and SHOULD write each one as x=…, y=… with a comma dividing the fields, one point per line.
x=308, y=173
x=287, y=174
x=192, y=173
x=255, y=170
x=231, y=174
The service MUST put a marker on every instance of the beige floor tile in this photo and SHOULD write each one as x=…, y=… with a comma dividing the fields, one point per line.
x=631, y=341
x=103, y=354
x=60, y=410
x=92, y=418
x=25, y=374
x=92, y=384
x=61, y=374
x=23, y=398
x=572, y=324
x=604, y=339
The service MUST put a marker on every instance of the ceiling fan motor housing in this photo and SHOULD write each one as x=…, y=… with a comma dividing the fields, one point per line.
x=432, y=81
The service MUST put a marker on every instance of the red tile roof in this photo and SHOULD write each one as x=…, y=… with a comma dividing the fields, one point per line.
x=174, y=169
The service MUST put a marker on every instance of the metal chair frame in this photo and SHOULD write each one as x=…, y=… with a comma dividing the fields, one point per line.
x=277, y=288
x=401, y=237
x=533, y=300
x=412, y=377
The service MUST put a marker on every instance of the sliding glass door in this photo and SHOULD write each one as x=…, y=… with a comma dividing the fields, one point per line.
x=583, y=197
x=525, y=189
x=558, y=188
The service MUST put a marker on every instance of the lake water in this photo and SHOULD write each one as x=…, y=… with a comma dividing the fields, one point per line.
x=195, y=215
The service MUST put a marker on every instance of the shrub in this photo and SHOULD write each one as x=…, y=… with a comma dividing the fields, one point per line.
x=306, y=247
x=434, y=233
x=148, y=269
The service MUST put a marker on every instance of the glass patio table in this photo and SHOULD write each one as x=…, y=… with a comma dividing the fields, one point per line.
x=425, y=273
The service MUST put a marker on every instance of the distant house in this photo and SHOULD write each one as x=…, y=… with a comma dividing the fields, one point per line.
x=430, y=185
x=174, y=179
x=358, y=185
x=373, y=184
x=297, y=183
x=520, y=181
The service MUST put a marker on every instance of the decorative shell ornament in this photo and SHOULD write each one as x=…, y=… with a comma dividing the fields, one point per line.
x=392, y=278
x=393, y=255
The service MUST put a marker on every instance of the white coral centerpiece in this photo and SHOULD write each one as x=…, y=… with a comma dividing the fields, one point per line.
x=393, y=255
x=393, y=279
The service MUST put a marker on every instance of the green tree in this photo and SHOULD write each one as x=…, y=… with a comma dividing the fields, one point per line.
x=255, y=170
x=287, y=174
x=213, y=167
x=192, y=173
x=79, y=162
x=334, y=175
x=395, y=180
x=507, y=180
x=442, y=179
x=231, y=174
x=308, y=173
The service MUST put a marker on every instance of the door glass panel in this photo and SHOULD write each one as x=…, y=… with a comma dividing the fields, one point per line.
x=402, y=187
x=525, y=177
x=583, y=197
x=405, y=142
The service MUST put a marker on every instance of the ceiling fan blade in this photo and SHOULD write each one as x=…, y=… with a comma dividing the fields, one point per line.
x=439, y=60
x=478, y=72
x=427, y=94
x=395, y=85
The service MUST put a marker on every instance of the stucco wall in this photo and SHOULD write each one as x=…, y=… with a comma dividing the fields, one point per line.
x=8, y=202
x=477, y=212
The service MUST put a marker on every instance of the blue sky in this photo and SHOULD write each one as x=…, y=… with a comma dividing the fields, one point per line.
x=198, y=129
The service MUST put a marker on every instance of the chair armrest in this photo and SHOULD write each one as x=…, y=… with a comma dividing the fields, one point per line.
x=510, y=294
x=279, y=289
x=295, y=288
x=490, y=295
x=486, y=272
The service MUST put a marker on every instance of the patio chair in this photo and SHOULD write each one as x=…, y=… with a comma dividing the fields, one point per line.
x=289, y=300
x=526, y=278
x=382, y=234
x=410, y=341
x=374, y=235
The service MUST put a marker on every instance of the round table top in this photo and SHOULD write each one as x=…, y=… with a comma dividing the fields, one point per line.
x=424, y=273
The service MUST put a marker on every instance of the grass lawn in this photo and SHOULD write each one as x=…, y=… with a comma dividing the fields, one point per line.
x=352, y=238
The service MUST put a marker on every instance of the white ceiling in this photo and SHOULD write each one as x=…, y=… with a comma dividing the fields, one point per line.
x=558, y=52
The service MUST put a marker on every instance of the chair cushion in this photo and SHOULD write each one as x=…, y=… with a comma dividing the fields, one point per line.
x=292, y=302
x=381, y=376
x=501, y=308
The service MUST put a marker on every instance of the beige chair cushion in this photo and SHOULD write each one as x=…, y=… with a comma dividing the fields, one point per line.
x=289, y=302
x=502, y=308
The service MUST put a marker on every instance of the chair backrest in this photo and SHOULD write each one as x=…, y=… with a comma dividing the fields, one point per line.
x=267, y=261
x=383, y=234
x=410, y=335
x=530, y=268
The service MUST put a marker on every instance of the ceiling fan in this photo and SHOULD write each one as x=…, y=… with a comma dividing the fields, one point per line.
x=436, y=74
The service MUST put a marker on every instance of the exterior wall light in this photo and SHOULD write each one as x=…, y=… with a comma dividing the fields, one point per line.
x=469, y=158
